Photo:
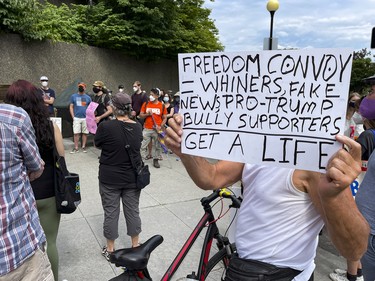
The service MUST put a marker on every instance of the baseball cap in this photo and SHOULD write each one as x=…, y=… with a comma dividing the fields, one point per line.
x=98, y=84
x=82, y=84
x=44, y=78
x=120, y=100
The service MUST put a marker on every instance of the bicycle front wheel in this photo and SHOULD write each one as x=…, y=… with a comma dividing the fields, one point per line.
x=217, y=265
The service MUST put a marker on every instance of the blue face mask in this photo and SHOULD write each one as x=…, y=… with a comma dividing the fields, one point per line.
x=166, y=99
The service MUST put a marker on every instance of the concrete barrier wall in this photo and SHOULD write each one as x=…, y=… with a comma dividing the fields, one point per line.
x=62, y=63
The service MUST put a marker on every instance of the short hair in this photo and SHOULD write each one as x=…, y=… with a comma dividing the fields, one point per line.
x=138, y=83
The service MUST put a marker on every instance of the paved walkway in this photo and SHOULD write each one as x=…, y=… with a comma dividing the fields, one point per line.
x=170, y=206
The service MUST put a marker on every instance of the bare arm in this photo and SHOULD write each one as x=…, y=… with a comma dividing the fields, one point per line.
x=145, y=114
x=51, y=100
x=58, y=140
x=104, y=115
x=171, y=112
x=71, y=110
x=164, y=120
x=204, y=174
x=332, y=197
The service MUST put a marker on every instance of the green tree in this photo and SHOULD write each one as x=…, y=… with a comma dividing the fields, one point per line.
x=147, y=29
x=195, y=32
x=362, y=67
x=16, y=16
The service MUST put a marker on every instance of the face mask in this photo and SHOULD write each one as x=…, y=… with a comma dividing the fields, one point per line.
x=135, y=89
x=177, y=99
x=44, y=83
x=166, y=99
x=120, y=90
x=81, y=89
x=96, y=90
x=152, y=98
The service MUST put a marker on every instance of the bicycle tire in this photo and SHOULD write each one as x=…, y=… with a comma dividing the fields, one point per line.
x=221, y=258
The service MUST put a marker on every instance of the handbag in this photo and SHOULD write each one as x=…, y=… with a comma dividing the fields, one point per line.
x=142, y=172
x=67, y=185
x=251, y=270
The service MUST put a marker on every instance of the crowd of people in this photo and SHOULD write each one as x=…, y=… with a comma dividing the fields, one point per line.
x=277, y=228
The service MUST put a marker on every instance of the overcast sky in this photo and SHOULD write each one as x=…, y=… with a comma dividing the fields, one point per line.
x=243, y=24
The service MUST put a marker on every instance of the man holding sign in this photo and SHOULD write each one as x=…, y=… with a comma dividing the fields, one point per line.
x=284, y=207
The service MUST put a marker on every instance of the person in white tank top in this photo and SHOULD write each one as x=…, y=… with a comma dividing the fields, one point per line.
x=283, y=210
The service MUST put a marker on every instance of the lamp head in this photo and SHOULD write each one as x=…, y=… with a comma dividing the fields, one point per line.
x=272, y=5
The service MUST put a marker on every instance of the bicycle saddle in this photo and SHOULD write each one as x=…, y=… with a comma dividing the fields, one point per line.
x=136, y=258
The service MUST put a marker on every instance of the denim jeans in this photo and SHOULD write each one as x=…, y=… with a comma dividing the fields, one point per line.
x=368, y=260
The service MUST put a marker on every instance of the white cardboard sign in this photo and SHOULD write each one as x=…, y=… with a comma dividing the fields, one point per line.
x=280, y=107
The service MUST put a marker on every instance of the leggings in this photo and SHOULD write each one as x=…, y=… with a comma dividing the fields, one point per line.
x=50, y=221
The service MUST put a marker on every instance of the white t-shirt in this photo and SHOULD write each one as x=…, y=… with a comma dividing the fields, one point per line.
x=277, y=223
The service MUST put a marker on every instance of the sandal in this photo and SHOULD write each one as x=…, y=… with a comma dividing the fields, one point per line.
x=105, y=253
x=148, y=157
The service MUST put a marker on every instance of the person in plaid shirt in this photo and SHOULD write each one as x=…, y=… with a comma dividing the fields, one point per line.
x=22, y=238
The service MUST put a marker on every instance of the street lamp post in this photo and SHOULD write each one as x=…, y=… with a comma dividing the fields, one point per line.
x=272, y=6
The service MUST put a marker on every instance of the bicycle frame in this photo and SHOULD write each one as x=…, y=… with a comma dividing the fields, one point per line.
x=204, y=266
x=212, y=232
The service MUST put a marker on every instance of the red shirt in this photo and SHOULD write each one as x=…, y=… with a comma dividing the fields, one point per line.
x=157, y=113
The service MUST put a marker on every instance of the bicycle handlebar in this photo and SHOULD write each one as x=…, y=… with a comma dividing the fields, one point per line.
x=224, y=193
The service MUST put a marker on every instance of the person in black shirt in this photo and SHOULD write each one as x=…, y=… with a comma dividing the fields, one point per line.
x=117, y=178
x=104, y=110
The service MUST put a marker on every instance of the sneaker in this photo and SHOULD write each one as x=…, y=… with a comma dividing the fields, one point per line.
x=342, y=272
x=337, y=277
x=156, y=163
x=105, y=253
x=84, y=150
x=160, y=158
x=74, y=150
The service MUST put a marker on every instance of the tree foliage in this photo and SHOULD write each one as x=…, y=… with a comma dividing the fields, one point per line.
x=16, y=16
x=148, y=29
x=362, y=67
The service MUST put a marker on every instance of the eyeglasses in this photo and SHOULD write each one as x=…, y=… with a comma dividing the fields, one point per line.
x=44, y=80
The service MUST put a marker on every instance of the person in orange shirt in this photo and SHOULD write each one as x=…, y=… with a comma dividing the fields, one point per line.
x=154, y=114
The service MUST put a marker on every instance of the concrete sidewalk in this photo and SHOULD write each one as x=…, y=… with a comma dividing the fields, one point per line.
x=170, y=206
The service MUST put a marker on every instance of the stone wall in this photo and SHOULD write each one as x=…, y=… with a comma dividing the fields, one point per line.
x=63, y=63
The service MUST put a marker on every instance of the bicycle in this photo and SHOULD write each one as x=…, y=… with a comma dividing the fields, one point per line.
x=135, y=260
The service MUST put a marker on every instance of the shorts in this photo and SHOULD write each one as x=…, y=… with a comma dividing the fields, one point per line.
x=37, y=267
x=79, y=126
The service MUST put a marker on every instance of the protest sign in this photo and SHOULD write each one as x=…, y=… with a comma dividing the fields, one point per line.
x=91, y=124
x=270, y=107
x=58, y=122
